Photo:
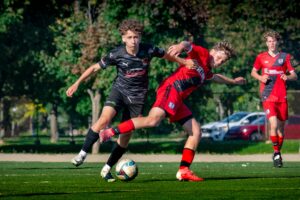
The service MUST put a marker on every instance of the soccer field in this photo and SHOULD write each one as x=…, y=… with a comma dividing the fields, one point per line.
x=36, y=180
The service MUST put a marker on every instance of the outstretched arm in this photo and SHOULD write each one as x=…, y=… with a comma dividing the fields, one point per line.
x=219, y=78
x=92, y=69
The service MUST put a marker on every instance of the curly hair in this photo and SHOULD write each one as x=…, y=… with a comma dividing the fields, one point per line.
x=226, y=47
x=272, y=34
x=132, y=25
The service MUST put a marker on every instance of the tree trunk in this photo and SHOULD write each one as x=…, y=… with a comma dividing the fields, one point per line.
x=53, y=124
x=220, y=107
x=95, y=98
x=6, y=117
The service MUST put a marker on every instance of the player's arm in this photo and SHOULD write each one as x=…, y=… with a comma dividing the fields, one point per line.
x=256, y=75
x=89, y=71
x=219, y=78
x=189, y=63
x=291, y=77
x=177, y=49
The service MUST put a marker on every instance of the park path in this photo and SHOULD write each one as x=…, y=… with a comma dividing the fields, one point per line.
x=21, y=157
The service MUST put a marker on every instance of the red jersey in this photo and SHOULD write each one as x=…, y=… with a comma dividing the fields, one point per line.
x=187, y=80
x=274, y=90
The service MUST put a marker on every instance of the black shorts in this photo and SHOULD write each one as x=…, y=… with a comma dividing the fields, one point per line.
x=131, y=107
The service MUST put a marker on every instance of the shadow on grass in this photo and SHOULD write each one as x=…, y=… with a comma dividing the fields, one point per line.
x=62, y=193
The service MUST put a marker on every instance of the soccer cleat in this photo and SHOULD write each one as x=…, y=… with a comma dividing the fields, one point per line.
x=106, y=175
x=78, y=160
x=106, y=134
x=277, y=160
x=187, y=175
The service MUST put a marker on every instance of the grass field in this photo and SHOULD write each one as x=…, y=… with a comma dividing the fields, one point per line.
x=34, y=180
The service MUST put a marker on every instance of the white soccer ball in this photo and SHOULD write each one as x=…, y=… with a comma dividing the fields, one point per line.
x=126, y=170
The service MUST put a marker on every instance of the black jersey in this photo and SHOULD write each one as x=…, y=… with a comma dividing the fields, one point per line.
x=132, y=71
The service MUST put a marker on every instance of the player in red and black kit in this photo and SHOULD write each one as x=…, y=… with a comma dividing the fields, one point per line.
x=276, y=69
x=171, y=93
x=129, y=90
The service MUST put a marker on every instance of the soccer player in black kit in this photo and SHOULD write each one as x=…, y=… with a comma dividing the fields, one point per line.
x=129, y=89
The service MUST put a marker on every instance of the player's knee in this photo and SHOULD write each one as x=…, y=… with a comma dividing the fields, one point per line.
x=153, y=122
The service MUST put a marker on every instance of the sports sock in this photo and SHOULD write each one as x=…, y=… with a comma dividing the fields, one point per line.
x=124, y=127
x=115, y=155
x=187, y=158
x=90, y=139
x=280, y=142
x=275, y=142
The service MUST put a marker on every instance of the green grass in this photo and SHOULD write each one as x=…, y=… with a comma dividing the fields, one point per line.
x=153, y=145
x=33, y=180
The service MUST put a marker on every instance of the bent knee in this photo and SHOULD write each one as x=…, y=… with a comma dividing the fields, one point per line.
x=153, y=122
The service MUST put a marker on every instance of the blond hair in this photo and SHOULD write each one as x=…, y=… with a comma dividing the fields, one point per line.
x=272, y=34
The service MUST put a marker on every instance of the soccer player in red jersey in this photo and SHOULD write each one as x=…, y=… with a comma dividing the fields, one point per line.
x=276, y=69
x=171, y=93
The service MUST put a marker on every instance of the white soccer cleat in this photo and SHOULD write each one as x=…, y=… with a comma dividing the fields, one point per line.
x=106, y=174
x=78, y=160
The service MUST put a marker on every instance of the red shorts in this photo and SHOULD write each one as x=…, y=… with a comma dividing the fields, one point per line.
x=278, y=109
x=168, y=99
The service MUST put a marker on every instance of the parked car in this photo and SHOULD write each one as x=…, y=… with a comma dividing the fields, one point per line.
x=217, y=130
x=255, y=131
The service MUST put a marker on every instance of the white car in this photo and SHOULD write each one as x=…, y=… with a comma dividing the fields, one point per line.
x=217, y=130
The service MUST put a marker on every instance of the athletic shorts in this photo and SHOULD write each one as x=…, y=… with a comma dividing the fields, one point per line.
x=130, y=107
x=278, y=109
x=168, y=99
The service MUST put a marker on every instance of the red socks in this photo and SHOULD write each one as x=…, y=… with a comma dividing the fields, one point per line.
x=280, y=142
x=275, y=142
x=187, y=158
x=125, y=127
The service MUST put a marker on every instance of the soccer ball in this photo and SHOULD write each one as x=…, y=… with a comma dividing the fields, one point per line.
x=126, y=170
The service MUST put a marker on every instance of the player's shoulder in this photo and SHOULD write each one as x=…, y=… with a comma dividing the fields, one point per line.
x=146, y=46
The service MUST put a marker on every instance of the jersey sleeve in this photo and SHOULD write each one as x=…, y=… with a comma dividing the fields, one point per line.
x=109, y=59
x=257, y=64
x=156, y=52
x=288, y=64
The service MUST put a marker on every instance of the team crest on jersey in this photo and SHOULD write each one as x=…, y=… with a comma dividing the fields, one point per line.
x=267, y=111
x=171, y=105
x=280, y=61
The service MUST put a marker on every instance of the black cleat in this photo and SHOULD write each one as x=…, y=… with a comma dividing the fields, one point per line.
x=277, y=160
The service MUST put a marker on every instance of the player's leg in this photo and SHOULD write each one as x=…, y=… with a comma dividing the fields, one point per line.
x=111, y=107
x=93, y=134
x=184, y=173
x=156, y=115
x=120, y=147
x=271, y=114
x=282, y=116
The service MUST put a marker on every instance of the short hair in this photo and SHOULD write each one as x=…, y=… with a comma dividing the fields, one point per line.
x=132, y=25
x=226, y=47
x=272, y=34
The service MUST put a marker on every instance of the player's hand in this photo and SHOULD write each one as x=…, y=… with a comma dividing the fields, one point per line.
x=240, y=81
x=264, y=78
x=191, y=64
x=284, y=77
x=175, y=50
x=71, y=90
